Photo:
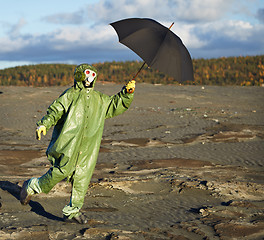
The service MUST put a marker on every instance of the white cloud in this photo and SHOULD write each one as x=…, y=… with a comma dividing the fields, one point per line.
x=67, y=37
x=15, y=29
x=230, y=29
x=12, y=45
x=230, y=38
x=66, y=18
x=237, y=30
x=205, y=27
x=163, y=10
x=186, y=33
x=203, y=11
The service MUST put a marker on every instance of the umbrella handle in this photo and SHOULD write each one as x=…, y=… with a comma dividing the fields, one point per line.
x=133, y=79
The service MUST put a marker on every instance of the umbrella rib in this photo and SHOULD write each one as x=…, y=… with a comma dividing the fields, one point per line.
x=168, y=29
x=152, y=62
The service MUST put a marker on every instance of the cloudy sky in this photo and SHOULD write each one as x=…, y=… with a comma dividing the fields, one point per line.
x=61, y=31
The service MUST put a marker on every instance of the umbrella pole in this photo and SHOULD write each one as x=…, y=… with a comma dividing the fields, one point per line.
x=139, y=71
x=145, y=62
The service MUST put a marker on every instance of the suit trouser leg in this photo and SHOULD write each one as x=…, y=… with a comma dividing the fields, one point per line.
x=80, y=185
x=46, y=182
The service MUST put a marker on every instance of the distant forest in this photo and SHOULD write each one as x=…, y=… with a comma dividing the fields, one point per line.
x=242, y=71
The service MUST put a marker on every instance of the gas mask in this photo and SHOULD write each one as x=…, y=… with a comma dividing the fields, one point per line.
x=90, y=75
x=86, y=74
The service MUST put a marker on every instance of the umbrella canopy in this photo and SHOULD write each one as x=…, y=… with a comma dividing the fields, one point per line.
x=159, y=47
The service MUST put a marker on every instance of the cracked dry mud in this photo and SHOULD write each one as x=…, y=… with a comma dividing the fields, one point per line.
x=184, y=162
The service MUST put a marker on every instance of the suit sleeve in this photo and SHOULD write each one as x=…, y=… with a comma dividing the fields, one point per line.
x=119, y=103
x=55, y=111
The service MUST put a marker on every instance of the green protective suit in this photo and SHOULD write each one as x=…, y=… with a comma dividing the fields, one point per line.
x=78, y=116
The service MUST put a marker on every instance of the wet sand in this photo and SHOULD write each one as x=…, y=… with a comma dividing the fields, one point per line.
x=184, y=162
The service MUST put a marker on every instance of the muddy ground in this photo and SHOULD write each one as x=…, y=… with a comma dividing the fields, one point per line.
x=184, y=162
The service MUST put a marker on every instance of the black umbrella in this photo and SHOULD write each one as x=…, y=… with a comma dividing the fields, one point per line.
x=157, y=45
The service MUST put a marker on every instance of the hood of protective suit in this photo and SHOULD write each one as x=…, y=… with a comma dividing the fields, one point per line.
x=85, y=73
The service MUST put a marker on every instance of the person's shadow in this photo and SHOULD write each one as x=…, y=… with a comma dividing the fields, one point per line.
x=36, y=207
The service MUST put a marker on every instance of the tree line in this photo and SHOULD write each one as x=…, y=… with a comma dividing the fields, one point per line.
x=243, y=71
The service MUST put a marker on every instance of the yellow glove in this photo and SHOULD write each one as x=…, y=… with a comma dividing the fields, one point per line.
x=130, y=87
x=40, y=129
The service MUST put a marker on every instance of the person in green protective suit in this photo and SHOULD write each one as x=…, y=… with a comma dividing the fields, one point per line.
x=78, y=117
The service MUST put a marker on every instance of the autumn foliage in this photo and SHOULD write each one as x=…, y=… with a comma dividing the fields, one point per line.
x=243, y=71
